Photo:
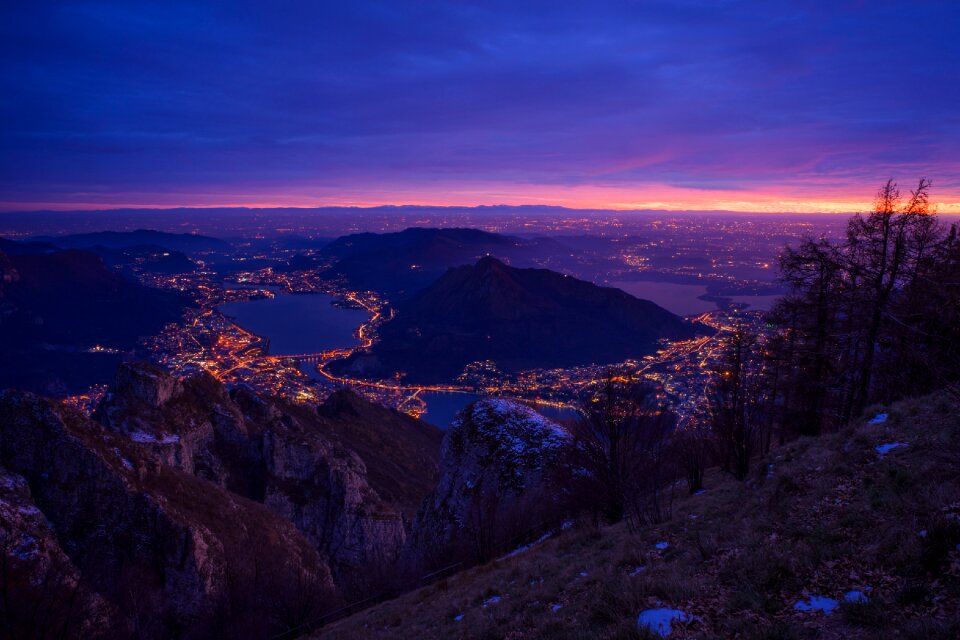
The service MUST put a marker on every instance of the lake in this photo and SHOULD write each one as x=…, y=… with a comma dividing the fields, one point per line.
x=297, y=322
x=757, y=303
x=443, y=406
x=680, y=299
x=683, y=299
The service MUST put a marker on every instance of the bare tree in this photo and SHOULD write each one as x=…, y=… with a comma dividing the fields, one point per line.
x=868, y=319
x=619, y=445
x=736, y=402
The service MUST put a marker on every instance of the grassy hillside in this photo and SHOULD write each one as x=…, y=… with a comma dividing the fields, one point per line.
x=819, y=517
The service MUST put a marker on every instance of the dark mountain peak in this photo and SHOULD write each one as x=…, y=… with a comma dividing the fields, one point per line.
x=404, y=262
x=490, y=264
x=521, y=318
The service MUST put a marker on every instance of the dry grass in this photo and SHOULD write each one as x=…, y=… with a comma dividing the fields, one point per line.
x=830, y=517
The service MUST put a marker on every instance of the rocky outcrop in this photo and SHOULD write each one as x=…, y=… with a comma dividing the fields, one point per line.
x=349, y=474
x=147, y=384
x=184, y=510
x=322, y=488
x=496, y=463
x=41, y=585
x=158, y=551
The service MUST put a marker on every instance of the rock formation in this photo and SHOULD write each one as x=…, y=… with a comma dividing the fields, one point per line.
x=495, y=466
x=201, y=506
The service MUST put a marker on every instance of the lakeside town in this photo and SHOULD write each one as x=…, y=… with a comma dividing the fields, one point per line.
x=209, y=340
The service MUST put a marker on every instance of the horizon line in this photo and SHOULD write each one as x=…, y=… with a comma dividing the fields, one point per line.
x=950, y=209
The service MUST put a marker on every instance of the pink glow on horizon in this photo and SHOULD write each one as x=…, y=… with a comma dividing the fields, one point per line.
x=808, y=199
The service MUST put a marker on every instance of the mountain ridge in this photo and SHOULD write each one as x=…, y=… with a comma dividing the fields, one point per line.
x=404, y=262
x=519, y=318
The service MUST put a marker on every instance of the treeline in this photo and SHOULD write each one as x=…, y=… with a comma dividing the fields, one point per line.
x=867, y=319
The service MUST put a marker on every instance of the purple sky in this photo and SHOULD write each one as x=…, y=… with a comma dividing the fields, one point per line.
x=735, y=105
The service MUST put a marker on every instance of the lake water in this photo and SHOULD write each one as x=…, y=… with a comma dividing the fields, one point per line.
x=442, y=407
x=680, y=299
x=757, y=303
x=298, y=322
x=683, y=299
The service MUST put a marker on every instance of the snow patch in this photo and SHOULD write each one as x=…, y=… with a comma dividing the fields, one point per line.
x=878, y=419
x=26, y=548
x=556, y=606
x=662, y=545
x=856, y=597
x=817, y=603
x=126, y=463
x=458, y=617
x=884, y=449
x=491, y=600
x=147, y=438
x=525, y=547
x=660, y=621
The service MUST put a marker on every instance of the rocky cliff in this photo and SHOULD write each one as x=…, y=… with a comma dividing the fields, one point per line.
x=496, y=463
x=348, y=474
x=181, y=505
x=135, y=534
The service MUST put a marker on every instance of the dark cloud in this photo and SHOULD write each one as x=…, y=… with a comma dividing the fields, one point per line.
x=272, y=97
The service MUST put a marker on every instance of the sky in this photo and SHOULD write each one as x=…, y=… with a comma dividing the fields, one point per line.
x=714, y=104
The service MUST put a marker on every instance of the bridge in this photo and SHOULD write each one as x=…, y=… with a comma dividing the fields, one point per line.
x=312, y=357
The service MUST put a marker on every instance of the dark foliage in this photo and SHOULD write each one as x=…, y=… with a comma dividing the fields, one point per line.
x=619, y=459
x=869, y=319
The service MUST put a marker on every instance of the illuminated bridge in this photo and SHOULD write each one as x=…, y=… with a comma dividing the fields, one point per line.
x=312, y=357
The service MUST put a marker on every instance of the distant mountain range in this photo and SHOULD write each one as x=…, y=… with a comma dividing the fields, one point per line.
x=519, y=318
x=55, y=306
x=184, y=242
x=400, y=264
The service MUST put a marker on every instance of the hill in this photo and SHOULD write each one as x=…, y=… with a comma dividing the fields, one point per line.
x=185, y=242
x=520, y=318
x=400, y=264
x=851, y=535
x=57, y=306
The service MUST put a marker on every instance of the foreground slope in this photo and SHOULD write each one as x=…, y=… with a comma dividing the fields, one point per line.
x=519, y=318
x=820, y=518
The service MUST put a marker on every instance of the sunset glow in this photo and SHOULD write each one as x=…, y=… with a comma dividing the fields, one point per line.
x=740, y=106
